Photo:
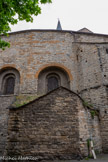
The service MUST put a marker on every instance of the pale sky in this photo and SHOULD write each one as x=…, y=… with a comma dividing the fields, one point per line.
x=73, y=14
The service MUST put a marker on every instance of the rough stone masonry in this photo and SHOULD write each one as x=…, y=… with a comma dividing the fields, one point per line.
x=39, y=58
x=55, y=125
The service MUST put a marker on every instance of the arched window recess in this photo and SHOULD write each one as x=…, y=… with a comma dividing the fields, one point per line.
x=9, y=81
x=53, y=81
x=9, y=84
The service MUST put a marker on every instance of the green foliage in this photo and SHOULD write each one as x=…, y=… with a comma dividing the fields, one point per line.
x=4, y=44
x=94, y=113
x=88, y=143
x=23, y=9
x=86, y=104
x=24, y=99
x=92, y=110
x=89, y=152
x=86, y=158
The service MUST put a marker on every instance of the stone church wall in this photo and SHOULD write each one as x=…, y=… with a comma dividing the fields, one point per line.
x=90, y=38
x=89, y=128
x=93, y=79
x=32, y=50
x=104, y=131
x=82, y=56
x=53, y=126
x=5, y=101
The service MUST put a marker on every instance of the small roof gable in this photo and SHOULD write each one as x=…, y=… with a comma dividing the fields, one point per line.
x=23, y=100
x=85, y=30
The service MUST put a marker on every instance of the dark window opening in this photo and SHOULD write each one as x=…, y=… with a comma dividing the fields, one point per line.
x=105, y=111
x=9, y=85
x=52, y=83
x=107, y=50
x=107, y=91
x=77, y=57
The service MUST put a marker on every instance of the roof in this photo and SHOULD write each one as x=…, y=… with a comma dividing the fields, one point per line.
x=59, y=25
x=23, y=100
x=61, y=31
x=85, y=30
x=36, y=98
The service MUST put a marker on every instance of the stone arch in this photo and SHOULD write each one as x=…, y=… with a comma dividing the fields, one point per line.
x=58, y=74
x=55, y=65
x=9, y=75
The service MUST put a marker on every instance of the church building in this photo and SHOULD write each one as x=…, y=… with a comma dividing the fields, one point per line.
x=54, y=93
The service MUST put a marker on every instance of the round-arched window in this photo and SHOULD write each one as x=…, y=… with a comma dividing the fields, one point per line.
x=9, y=81
x=53, y=81
x=9, y=85
x=50, y=78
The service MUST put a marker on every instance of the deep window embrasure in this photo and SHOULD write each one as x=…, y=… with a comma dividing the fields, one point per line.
x=53, y=83
x=107, y=50
x=9, y=85
x=9, y=81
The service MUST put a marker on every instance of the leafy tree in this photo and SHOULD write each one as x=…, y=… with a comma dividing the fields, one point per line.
x=23, y=9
